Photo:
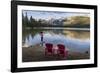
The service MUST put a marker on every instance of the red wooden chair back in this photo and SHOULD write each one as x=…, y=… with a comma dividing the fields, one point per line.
x=61, y=48
x=49, y=48
x=62, y=51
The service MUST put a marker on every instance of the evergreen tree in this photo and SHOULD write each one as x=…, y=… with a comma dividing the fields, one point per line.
x=26, y=21
x=23, y=20
x=33, y=22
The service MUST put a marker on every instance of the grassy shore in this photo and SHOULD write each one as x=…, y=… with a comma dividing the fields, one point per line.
x=36, y=53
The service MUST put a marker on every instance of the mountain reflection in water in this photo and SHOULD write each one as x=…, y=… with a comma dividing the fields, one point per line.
x=78, y=41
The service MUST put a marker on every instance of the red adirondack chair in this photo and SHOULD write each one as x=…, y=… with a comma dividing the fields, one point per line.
x=62, y=51
x=49, y=49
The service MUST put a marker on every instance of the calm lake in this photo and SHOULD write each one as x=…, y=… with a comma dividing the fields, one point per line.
x=74, y=39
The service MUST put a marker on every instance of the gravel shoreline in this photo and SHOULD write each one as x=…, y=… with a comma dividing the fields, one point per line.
x=36, y=54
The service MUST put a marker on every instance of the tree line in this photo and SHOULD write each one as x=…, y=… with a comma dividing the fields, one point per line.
x=32, y=22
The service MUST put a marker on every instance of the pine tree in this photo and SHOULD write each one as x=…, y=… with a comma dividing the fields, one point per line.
x=26, y=21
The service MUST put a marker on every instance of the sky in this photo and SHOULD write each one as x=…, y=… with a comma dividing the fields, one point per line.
x=51, y=14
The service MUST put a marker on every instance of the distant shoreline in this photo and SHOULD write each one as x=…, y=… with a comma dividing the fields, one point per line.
x=64, y=28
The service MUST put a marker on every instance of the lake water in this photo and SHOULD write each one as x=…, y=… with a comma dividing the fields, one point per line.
x=74, y=40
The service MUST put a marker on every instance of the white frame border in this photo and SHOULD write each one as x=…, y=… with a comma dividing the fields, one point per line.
x=52, y=63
